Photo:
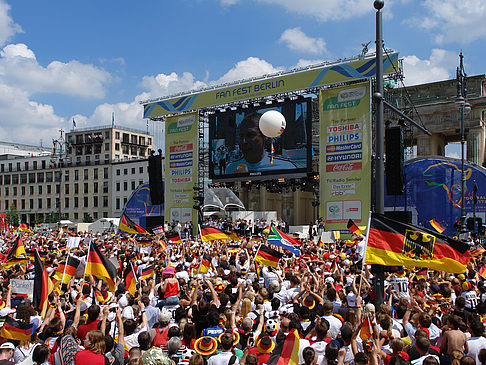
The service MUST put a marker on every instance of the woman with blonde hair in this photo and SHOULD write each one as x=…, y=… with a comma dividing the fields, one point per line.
x=94, y=343
x=245, y=307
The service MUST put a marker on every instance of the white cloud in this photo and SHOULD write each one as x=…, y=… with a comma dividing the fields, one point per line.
x=296, y=40
x=7, y=26
x=251, y=67
x=326, y=10
x=460, y=21
x=303, y=63
x=163, y=85
x=229, y=2
x=19, y=67
x=438, y=67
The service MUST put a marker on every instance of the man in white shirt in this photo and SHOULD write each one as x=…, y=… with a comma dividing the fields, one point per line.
x=477, y=341
x=334, y=323
x=225, y=357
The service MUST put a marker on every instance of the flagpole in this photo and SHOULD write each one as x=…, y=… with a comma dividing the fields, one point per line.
x=67, y=259
x=87, y=258
x=364, y=254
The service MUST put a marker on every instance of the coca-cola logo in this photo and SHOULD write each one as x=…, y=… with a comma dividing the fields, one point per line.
x=340, y=167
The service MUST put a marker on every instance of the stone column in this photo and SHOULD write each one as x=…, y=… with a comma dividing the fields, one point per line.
x=475, y=145
x=430, y=146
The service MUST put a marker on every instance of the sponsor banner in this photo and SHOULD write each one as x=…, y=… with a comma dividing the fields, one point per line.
x=319, y=76
x=345, y=154
x=181, y=153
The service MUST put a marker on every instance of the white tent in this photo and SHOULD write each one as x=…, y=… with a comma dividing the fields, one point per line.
x=104, y=225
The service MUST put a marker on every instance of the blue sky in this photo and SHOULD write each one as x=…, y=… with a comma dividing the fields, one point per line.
x=63, y=59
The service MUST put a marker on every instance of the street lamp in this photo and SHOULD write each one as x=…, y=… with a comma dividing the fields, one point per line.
x=464, y=107
x=59, y=156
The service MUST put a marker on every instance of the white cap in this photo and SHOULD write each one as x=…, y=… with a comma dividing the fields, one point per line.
x=7, y=345
x=6, y=311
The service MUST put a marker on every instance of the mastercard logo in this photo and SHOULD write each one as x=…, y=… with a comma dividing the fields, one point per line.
x=331, y=148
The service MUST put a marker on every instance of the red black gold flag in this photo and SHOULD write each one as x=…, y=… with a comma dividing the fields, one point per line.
x=354, y=228
x=392, y=243
x=210, y=234
x=482, y=271
x=67, y=269
x=130, y=280
x=98, y=265
x=162, y=245
x=205, y=264
x=42, y=286
x=268, y=256
x=148, y=272
x=422, y=274
x=13, y=330
x=478, y=251
x=287, y=351
x=16, y=250
x=173, y=236
x=232, y=235
x=436, y=226
x=129, y=226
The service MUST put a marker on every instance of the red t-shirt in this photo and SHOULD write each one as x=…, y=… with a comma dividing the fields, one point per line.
x=88, y=357
x=262, y=358
x=85, y=328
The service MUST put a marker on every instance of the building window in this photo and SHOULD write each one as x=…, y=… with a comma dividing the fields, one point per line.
x=76, y=188
x=117, y=135
x=125, y=185
x=18, y=166
x=15, y=191
x=125, y=201
x=31, y=190
x=107, y=146
x=6, y=179
x=58, y=188
x=10, y=167
x=76, y=202
x=76, y=175
x=105, y=173
x=39, y=203
x=66, y=202
x=6, y=191
x=149, y=140
x=22, y=190
x=95, y=201
x=49, y=191
x=75, y=215
x=107, y=134
x=34, y=163
x=6, y=204
x=23, y=178
x=95, y=187
x=140, y=182
x=133, y=185
x=95, y=174
x=40, y=177
x=2, y=168
x=117, y=202
x=105, y=201
x=125, y=171
x=86, y=202
x=117, y=147
x=22, y=204
x=15, y=179
x=31, y=203
x=133, y=170
x=140, y=170
x=66, y=175
x=66, y=188
x=86, y=174
x=117, y=186
x=105, y=187
x=48, y=203
x=58, y=203
x=57, y=176
x=39, y=189
x=117, y=172
x=86, y=188
x=88, y=160
x=32, y=178
x=48, y=176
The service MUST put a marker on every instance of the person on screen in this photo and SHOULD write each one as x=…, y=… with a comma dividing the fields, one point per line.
x=255, y=158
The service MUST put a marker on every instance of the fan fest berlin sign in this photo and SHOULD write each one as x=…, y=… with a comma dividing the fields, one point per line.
x=345, y=154
x=306, y=79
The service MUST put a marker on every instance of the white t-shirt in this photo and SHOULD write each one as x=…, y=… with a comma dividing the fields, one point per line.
x=223, y=358
x=475, y=345
x=334, y=326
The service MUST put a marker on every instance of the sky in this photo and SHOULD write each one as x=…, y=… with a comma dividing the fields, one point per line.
x=63, y=60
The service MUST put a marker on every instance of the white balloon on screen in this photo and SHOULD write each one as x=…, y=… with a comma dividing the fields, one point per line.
x=272, y=123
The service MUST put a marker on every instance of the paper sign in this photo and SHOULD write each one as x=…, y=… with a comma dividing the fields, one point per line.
x=22, y=287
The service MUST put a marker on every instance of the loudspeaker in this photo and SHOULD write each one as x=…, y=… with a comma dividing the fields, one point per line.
x=403, y=216
x=394, y=160
x=155, y=179
x=470, y=224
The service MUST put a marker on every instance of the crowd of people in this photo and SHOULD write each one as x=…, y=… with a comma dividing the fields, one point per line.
x=315, y=308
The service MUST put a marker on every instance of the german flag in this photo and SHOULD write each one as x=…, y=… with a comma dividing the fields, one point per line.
x=148, y=272
x=129, y=226
x=13, y=262
x=422, y=274
x=163, y=246
x=13, y=330
x=67, y=269
x=99, y=297
x=42, y=286
x=130, y=280
x=16, y=250
x=173, y=236
x=232, y=236
x=210, y=234
x=268, y=256
x=144, y=243
x=98, y=265
x=392, y=243
x=354, y=228
x=482, y=271
x=478, y=251
x=436, y=225
x=24, y=228
x=287, y=351
x=205, y=264
x=366, y=330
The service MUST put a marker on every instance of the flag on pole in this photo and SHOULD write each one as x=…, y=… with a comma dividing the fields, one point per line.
x=280, y=239
x=287, y=351
x=354, y=228
x=163, y=245
x=173, y=236
x=42, y=286
x=148, y=272
x=129, y=226
x=392, y=243
x=99, y=266
x=74, y=123
x=205, y=264
x=421, y=274
x=210, y=234
x=478, y=251
x=158, y=230
x=13, y=330
x=268, y=256
x=24, y=228
x=366, y=330
x=65, y=271
x=436, y=225
x=130, y=280
x=16, y=250
x=482, y=271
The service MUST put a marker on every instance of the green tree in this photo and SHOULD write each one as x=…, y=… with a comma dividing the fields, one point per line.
x=38, y=219
x=87, y=218
x=13, y=215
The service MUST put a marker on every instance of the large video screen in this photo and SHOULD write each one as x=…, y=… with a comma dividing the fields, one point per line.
x=239, y=151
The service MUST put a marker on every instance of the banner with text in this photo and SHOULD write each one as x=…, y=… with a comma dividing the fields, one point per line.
x=345, y=154
x=327, y=74
x=181, y=164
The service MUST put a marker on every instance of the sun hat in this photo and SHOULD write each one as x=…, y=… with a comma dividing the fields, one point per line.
x=309, y=302
x=169, y=270
x=206, y=345
x=265, y=345
x=236, y=336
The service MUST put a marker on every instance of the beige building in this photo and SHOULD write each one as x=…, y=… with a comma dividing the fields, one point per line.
x=78, y=177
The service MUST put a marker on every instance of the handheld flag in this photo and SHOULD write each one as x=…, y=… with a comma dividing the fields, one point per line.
x=13, y=330
x=148, y=272
x=158, y=230
x=366, y=330
x=65, y=271
x=210, y=234
x=129, y=226
x=392, y=243
x=287, y=351
x=163, y=245
x=482, y=271
x=130, y=280
x=16, y=250
x=478, y=251
x=173, y=236
x=42, y=286
x=280, y=239
x=268, y=256
x=24, y=228
x=205, y=264
x=436, y=225
x=98, y=265
x=422, y=274
x=354, y=228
